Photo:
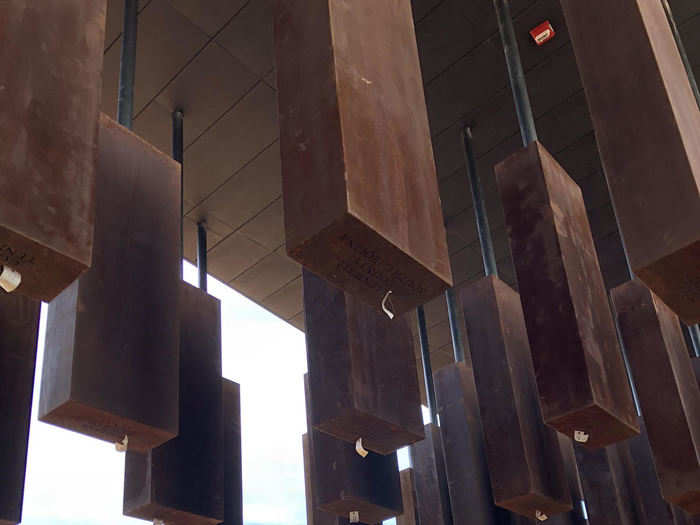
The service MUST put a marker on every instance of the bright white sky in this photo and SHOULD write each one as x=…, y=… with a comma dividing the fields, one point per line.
x=75, y=480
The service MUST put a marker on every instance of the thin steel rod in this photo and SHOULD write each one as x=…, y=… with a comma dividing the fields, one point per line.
x=482, y=220
x=427, y=367
x=202, y=255
x=178, y=155
x=515, y=72
x=681, y=50
x=694, y=334
x=127, y=67
x=457, y=344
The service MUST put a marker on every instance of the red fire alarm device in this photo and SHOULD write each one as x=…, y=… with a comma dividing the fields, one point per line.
x=543, y=33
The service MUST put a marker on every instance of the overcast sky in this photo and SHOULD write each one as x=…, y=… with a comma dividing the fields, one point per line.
x=72, y=479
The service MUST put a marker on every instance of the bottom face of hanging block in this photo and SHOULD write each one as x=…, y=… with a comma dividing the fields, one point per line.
x=648, y=505
x=462, y=439
x=583, y=386
x=525, y=463
x=668, y=390
x=233, y=466
x=344, y=482
x=110, y=360
x=432, y=495
x=19, y=328
x=182, y=481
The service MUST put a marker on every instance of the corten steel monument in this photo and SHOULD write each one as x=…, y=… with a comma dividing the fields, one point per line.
x=361, y=201
x=111, y=357
x=19, y=330
x=667, y=387
x=647, y=127
x=362, y=372
x=583, y=388
x=51, y=53
x=233, y=473
x=525, y=463
x=182, y=481
x=343, y=482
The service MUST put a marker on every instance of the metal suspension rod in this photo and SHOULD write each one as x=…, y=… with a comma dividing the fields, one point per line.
x=427, y=367
x=694, y=333
x=202, y=255
x=482, y=220
x=457, y=344
x=127, y=68
x=681, y=50
x=178, y=155
x=515, y=72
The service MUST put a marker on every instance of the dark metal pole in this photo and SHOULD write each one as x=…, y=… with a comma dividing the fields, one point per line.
x=681, y=50
x=427, y=367
x=694, y=333
x=482, y=219
x=127, y=71
x=202, y=255
x=515, y=71
x=457, y=344
x=178, y=155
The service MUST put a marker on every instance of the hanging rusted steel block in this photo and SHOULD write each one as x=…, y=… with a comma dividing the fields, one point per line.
x=233, y=461
x=583, y=387
x=361, y=201
x=646, y=120
x=19, y=329
x=315, y=516
x=409, y=497
x=51, y=54
x=649, y=507
x=182, y=481
x=110, y=365
x=604, y=486
x=344, y=481
x=428, y=462
x=362, y=370
x=524, y=459
x=668, y=390
x=463, y=445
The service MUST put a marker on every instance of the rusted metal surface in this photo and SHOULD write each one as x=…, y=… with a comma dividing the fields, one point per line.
x=110, y=366
x=361, y=199
x=580, y=372
x=51, y=54
x=19, y=329
x=696, y=368
x=525, y=464
x=409, y=497
x=463, y=445
x=428, y=462
x=182, y=481
x=604, y=486
x=344, y=482
x=668, y=390
x=649, y=507
x=648, y=129
x=362, y=370
x=233, y=462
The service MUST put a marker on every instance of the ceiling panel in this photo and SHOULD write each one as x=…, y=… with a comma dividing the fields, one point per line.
x=249, y=37
x=233, y=256
x=210, y=15
x=267, y=227
x=235, y=140
x=267, y=276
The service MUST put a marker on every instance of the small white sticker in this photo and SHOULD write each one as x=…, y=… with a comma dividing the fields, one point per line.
x=541, y=516
x=122, y=445
x=354, y=517
x=581, y=437
x=9, y=279
x=388, y=312
x=360, y=449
